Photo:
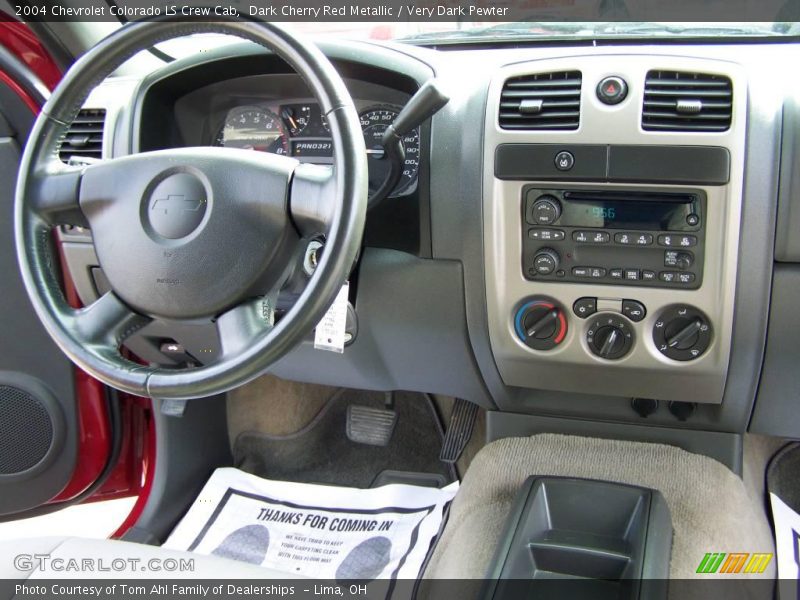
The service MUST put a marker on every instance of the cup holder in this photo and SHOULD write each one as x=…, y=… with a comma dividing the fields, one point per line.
x=581, y=538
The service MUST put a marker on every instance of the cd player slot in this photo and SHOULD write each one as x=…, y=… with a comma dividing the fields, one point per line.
x=594, y=196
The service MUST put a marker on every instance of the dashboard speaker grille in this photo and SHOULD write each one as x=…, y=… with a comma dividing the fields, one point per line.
x=85, y=136
x=541, y=101
x=26, y=430
x=675, y=101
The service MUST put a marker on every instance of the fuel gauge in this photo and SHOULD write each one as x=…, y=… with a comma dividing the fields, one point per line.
x=296, y=117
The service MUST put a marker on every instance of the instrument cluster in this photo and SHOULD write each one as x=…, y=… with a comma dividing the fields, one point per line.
x=300, y=130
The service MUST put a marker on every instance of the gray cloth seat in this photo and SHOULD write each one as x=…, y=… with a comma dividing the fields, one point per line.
x=133, y=556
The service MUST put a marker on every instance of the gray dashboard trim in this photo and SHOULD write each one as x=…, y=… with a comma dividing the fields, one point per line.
x=776, y=412
x=457, y=226
x=787, y=244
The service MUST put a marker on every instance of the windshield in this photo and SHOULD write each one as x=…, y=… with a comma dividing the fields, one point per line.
x=441, y=33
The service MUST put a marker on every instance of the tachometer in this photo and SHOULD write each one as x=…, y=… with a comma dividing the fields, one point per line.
x=253, y=128
x=374, y=122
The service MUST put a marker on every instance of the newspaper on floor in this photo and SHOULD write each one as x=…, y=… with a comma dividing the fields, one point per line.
x=787, y=543
x=318, y=531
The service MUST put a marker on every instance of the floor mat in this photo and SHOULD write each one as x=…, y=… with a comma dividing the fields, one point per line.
x=322, y=453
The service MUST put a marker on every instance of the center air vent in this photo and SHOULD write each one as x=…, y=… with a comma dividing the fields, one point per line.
x=542, y=101
x=676, y=101
x=84, y=139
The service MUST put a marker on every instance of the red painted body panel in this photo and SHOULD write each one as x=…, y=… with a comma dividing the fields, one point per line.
x=21, y=42
x=134, y=465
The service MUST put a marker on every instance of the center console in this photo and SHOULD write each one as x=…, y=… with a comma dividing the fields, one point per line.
x=581, y=538
x=612, y=201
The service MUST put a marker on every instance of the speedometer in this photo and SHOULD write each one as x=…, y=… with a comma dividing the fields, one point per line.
x=374, y=122
x=253, y=128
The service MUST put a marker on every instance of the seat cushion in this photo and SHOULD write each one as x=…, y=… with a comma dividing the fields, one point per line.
x=80, y=558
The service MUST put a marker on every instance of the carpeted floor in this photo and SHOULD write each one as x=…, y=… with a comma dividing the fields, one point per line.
x=321, y=452
x=711, y=510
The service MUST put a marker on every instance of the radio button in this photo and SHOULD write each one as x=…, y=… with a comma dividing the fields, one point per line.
x=632, y=274
x=546, y=235
x=667, y=276
x=677, y=241
x=685, y=277
x=692, y=220
x=581, y=271
x=591, y=237
x=601, y=237
x=581, y=237
x=648, y=275
x=584, y=307
x=615, y=273
x=628, y=238
x=597, y=272
x=624, y=238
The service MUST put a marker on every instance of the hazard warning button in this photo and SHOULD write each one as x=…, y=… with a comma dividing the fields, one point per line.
x=612, y=90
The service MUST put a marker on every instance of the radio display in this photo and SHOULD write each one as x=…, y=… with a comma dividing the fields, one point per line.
x=662, y=213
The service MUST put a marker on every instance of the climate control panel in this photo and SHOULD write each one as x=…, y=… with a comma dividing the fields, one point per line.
x=616, y=237
x=679, y=332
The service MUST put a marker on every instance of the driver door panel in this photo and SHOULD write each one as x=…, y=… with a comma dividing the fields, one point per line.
x=39, y=432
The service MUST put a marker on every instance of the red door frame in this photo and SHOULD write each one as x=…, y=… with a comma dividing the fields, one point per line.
x=132, y=475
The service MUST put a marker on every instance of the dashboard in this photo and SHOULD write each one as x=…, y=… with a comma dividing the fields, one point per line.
x=581, y=232
x=274, y=113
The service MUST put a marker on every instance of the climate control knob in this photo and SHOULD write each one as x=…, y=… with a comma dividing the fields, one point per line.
x=546, y=261
x=540, y=324
x=609, y=336
x=682, y=333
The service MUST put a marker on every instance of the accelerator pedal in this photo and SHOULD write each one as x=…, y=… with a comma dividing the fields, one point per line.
x=462, y=421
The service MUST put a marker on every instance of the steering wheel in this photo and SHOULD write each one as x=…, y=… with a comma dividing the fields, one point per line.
x=193, y=233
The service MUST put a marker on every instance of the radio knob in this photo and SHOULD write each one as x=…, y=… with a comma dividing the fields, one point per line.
x=546, y=261
x=546, y=210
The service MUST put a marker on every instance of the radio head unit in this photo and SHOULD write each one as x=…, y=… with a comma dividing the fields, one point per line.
x=626, y=237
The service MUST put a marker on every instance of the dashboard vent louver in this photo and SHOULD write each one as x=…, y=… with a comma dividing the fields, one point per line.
x=84, y=139
x=541, y=101
x=675, y=101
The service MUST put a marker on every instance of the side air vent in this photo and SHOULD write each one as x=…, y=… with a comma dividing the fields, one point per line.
x=542, y=101
x=85, y=136
x=676, y=101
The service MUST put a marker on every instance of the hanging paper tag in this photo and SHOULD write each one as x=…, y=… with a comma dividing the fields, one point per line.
x=329, y=334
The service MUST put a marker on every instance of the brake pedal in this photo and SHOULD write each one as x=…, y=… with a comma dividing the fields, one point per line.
x=462, y=422
x=371, y=426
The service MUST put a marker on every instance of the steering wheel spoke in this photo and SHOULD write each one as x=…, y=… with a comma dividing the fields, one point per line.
x=312, y=198
x=55, y=194
x=106, y=322
x=239, y=327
